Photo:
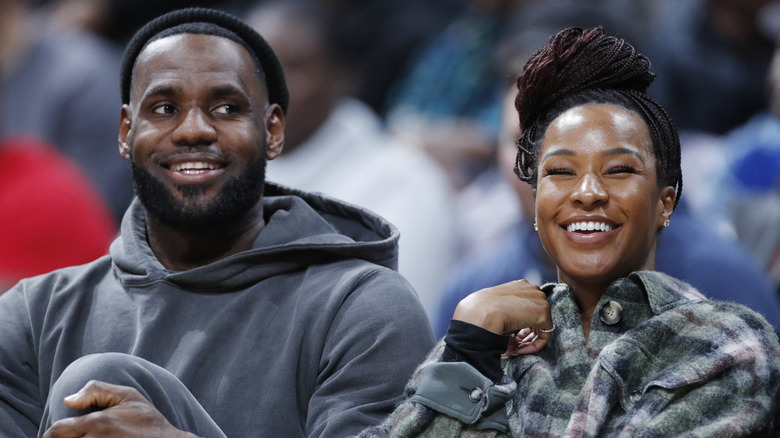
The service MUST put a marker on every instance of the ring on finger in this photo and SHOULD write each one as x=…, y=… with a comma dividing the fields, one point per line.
x=549, y=330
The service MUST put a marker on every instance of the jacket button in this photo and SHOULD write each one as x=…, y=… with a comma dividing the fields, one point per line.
x=611, y=313
x=475, y=395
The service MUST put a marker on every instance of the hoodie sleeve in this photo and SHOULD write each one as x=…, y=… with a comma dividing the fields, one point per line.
x=21, y=406
x=375, y=341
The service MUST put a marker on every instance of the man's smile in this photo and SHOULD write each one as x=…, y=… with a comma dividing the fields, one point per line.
x=193, y=167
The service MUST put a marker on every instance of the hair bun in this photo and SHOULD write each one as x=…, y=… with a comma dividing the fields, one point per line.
x=578, y=59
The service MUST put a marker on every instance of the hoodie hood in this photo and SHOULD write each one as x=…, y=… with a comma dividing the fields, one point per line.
x=301, y=229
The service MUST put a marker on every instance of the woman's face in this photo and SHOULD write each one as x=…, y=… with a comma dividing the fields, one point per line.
x=598, y=204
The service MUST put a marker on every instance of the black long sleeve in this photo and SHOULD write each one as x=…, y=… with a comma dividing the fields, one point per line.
x=476, y=346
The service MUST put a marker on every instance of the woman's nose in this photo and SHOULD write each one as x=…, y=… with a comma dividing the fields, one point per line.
x=589, y=190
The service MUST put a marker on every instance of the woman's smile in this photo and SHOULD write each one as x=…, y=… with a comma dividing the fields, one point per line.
x=589, y=232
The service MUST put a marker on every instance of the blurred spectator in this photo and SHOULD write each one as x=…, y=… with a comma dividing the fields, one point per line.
x=689, y=249
x=62, y=86
x=446, y=102
x=336, y=145
x=50, y=215
x=533, y=23
x=711, y=58
x=380, y=36
x=741, y=182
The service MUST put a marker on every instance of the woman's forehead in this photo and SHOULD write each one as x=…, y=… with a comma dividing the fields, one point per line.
x=598, y=125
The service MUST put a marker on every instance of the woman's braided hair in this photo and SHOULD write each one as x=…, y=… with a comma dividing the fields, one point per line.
x=580, y=66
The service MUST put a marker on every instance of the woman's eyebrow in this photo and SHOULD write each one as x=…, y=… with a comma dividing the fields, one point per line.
x=607, y=153
x=559, y=152
x=621, y=151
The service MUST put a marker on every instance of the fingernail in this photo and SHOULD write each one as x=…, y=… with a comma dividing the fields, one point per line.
x=72, y=397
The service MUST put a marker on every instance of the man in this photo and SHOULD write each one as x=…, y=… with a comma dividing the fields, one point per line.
x=227, y=307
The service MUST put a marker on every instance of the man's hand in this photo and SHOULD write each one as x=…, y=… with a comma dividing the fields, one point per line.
x=124, y=413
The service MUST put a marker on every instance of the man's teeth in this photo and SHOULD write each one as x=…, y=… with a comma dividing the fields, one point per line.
x=192, y=167
x=588, y=226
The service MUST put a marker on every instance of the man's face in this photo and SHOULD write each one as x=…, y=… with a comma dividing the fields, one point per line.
x=197, y=130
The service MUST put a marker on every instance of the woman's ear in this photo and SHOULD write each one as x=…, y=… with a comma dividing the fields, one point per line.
x=274, y=131
x=666, y=204
x=125, y=126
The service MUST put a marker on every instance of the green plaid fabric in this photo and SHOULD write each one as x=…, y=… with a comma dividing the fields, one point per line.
x=676, y=364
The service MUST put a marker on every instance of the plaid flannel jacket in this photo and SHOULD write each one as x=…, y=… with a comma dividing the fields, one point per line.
x=674, y=363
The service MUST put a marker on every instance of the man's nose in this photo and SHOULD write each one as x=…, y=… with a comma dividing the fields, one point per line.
x=195, y=129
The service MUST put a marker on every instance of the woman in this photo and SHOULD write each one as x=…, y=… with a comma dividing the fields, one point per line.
x=613, y=348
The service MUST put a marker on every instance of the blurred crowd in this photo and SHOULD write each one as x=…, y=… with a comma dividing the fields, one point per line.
x=405, y=107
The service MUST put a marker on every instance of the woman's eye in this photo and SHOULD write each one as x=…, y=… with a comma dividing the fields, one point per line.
x=621, y=169
x=226, y=109
x=164, y=109
x=558, y=171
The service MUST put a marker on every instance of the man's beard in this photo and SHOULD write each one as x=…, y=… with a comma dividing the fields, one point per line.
x=235, y=198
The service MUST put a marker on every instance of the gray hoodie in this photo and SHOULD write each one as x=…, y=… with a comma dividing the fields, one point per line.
x=310, y=333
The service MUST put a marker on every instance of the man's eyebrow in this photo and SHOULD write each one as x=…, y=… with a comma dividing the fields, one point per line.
x=169, y=90
x=162, y=90
x=226, y=90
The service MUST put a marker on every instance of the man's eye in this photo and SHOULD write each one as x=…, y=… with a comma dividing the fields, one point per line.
x=226, y=109
x=164, y=109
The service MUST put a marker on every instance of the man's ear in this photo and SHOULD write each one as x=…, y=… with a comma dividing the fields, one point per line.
x=124, y=130
x=274, y=131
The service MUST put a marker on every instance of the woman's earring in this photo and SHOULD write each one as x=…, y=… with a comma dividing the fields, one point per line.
x=666, y=223
x=536, y=227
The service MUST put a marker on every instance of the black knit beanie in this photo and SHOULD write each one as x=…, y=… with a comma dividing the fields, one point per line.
x=259, y=49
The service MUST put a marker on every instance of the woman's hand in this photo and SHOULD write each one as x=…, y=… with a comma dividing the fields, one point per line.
x=518, y=307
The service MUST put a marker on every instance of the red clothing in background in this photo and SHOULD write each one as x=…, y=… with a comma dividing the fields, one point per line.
x=50, y=214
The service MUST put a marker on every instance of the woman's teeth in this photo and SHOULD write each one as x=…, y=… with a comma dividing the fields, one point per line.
x=588, y=226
